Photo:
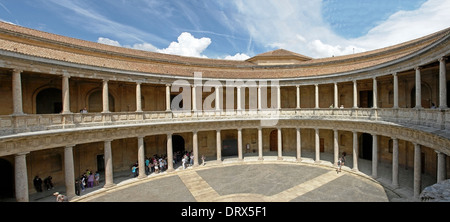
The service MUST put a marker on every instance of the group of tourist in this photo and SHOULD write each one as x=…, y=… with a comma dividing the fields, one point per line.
x=158, y=163
x=87, y=180
x=37, y=182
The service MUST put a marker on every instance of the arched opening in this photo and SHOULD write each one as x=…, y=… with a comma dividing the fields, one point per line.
x=49, y=101
x=426, y=96
x=366, y=146
x=178, y=143
x=7, y=184
x=96, y=102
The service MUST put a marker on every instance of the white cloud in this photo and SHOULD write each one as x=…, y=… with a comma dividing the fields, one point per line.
x=107, y=41
x=238, y=56
x=298, y=26
x=187, y=45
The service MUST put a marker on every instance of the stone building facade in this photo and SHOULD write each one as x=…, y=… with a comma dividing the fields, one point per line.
x=277, y=103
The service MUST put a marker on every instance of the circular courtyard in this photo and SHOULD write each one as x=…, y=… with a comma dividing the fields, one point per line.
x=257, y=181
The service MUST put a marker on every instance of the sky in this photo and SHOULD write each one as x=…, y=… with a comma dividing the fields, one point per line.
x=235, y=29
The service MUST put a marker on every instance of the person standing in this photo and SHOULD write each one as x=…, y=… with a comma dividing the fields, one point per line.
x=341, y=162
x=96, y=178
x=37, y=182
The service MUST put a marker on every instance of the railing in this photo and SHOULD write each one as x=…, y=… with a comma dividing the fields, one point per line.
x=434, y=118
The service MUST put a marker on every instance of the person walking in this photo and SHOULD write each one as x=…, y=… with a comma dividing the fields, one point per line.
x=341, y=162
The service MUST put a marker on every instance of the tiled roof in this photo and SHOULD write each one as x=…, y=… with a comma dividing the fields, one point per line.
x=55, y=47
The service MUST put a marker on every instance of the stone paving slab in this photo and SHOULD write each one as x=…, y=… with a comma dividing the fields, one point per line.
x=252, y=181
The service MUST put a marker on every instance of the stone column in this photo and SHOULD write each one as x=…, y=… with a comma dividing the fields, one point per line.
x=336, y=94
x=65, y=94
x=317, y=144
x=395, y=91
x=105, y=97
x=109, y=182
x=239, y=98
x=168, y=108
x=217, y=91
x=441, y=172
x=418, y=89
x=355, y=94
x=218, y=146
x=316, y=95
x=69, y=171
x=375, y=93
x=280, y=145
x=395, y=162
x=21, y=177
x=442, y=84
x=239, y=132
x=278, y=97
x=195, y=146
x=138, y=97
x=17, y=92
x=260, y=145
x=355, y=151
x=374, y=155
x=141, y=157
x=169, y=153
x=417, y=170
x=298, y=96
x=336, y=146
x=194, y=98
x=299, y=145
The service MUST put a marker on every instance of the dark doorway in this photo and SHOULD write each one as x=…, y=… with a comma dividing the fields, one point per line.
x=366, y=146
x=100, y=163
x=229, y=147
x=49, y=101
x=7, y=184
x=274, y=140
x=366, y=99
x=178, y=143
x=322, y=145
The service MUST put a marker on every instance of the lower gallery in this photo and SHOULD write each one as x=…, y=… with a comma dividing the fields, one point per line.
x=70, y=105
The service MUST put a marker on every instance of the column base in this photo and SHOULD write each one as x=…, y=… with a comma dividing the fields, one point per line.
x=280, y=158
x=109, y=185
x=260, y=158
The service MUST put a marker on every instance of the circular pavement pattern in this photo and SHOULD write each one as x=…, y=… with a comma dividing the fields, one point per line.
x=247, y=182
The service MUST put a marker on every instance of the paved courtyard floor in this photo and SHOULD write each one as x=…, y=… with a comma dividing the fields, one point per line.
x=251, y=180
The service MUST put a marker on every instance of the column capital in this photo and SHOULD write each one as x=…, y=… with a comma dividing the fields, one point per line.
x=69, y=146
x=17, y=71
x=395, y=74
x=168, y=85
x=298, y=86
x=417, y=68
x=442, y=59
x=105, y=80
x=21, y=154
x=108, y=140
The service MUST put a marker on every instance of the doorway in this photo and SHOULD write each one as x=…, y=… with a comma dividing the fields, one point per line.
x=274, y=140
x=366, y=99
x=49, y=101
x=100, y=163
x=178, y=144
x=7, y=184
x=366, y=146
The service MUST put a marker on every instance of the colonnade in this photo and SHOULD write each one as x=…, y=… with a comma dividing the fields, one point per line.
x=18, y=110
x=21, y=182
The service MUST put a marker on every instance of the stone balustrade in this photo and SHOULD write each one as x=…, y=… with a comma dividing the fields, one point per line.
x=438, y=119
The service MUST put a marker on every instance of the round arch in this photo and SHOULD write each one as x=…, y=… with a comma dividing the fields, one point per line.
x=95, y=101
x=48, y=101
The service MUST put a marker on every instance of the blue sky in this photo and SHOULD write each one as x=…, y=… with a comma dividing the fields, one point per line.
x=235, y=29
